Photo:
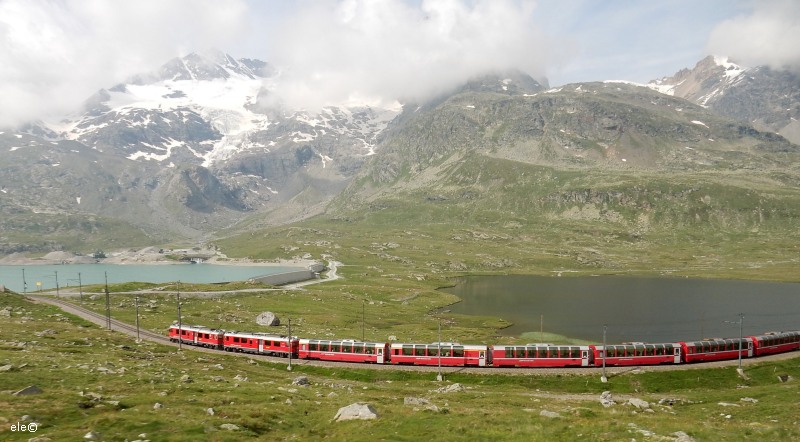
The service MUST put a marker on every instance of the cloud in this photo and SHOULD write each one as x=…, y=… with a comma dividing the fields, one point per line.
x=767, y=36
x=55, y=54
x=381, y=51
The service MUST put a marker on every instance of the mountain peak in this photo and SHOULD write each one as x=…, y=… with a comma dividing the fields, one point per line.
x=766, y=98
x=207, y=66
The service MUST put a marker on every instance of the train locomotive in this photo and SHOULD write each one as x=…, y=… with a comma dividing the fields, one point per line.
x=450, y=354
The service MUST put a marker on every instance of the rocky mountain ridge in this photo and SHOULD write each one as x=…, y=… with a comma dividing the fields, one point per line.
x=767, y=99
x=192, y=149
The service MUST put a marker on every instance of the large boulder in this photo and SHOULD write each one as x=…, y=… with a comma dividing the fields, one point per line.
x=356, y=411
x=268, y=319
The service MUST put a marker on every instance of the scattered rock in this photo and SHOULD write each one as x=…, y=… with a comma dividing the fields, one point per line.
x=92, y=435
x=606, y=399
x=217, y=378
x=268, y=319
x=638, y=403
x=301, y=380
x=727, y=404
x=240, y=378
x=356, y=411
x=229, y=427
x=186, y=379
x=415, y=401
x=550, y=414
x=7, y=367
x=680, y=436
x=784, y=378
x=31, y=389
x=158, y=406
x=749, y=399
x=6, y=312
x=453, y=388
x=210, y=411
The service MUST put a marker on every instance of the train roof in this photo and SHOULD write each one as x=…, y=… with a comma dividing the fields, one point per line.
x=257, y=335
x=354, y=341
x=445, y=344
x=504, y=346
x=202, y=328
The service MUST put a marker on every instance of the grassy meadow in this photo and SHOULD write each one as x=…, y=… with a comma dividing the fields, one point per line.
x=104, y=382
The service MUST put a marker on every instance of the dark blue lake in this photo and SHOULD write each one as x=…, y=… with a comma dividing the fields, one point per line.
x=633, y=308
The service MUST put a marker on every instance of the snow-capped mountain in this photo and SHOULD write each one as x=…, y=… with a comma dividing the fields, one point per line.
x=205, y=109
x=766, y=98
x=195, y=149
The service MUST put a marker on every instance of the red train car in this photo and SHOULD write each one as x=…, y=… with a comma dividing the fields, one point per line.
x=775, y=342
x=197, y=335
x=540, y=355
x=444, y=353
x=716, y=349
x=261, y=343
x=344, y=351
x=637, y=353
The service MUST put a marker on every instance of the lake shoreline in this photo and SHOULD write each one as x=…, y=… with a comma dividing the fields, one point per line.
x=151, y=256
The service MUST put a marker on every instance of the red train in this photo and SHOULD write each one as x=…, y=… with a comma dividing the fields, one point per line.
x=449, y=354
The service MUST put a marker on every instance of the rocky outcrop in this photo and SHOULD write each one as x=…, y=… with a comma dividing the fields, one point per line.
x=357, y=411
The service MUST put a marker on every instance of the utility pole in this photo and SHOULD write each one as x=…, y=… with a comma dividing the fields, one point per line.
x=108, y=304
x=439, y=352
x=741, y=338
x=363, y=317
x=180, y=330
x=24, y=283
x=57, y=294
x=741, y=321
x=603, y=378
x=138, y=339
x=289, y=368
x=80, y=287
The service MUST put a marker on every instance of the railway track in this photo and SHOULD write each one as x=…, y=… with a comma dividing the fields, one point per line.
x=131, y=330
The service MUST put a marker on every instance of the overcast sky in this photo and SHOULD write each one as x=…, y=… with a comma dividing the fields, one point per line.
x=55, y=53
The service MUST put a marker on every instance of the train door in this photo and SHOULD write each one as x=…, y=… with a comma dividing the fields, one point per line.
x=482, y=358
x=677, y=353
x=194, y=338
x=584, y=358
x=379, y=354
x=749, y=348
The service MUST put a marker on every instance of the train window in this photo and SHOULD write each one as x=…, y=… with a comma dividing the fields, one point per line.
x=458, y=351
x=541, y=352
x=520, y=352
x=358, y=348
x=576, y=352
x=369, y=349
x=509, y=352
x=419, y=350
x=433, y=350
x=347, y=348
x=408, y=350
x=446, y=351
